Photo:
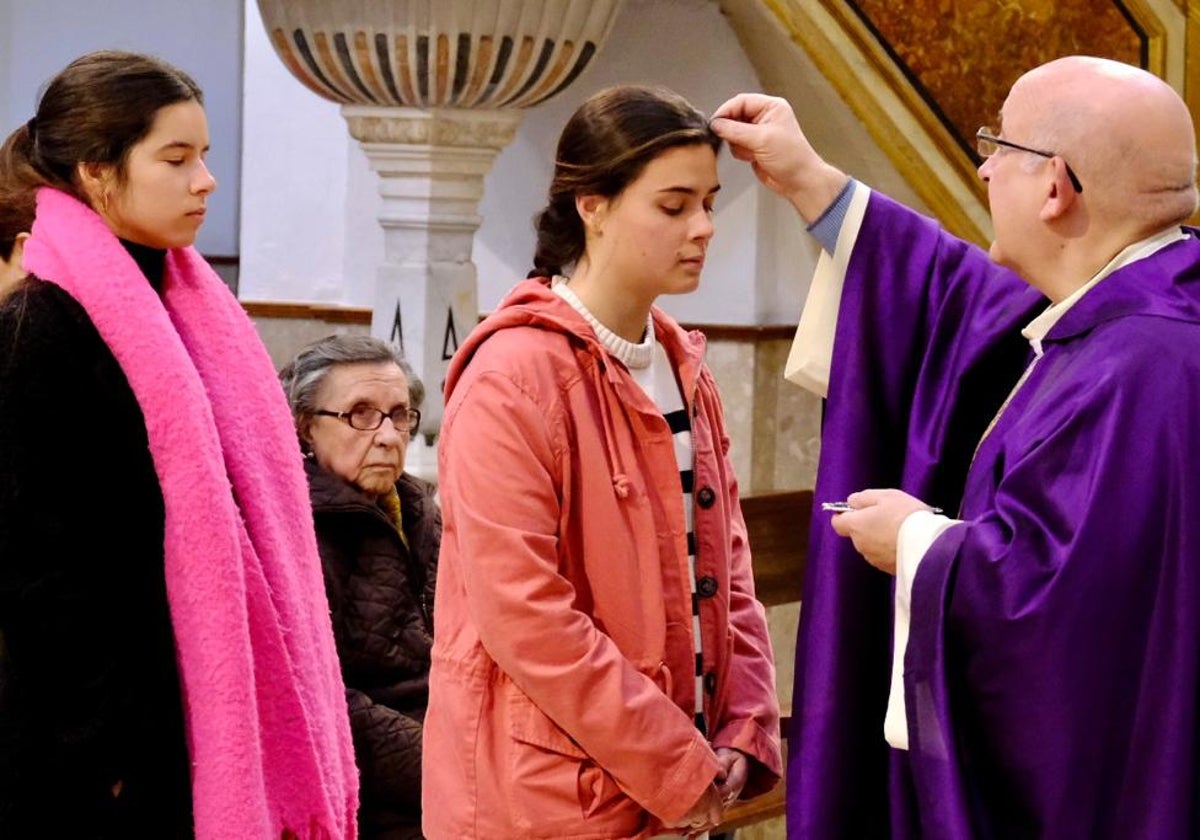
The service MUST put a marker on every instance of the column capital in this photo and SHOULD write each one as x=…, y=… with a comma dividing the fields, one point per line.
x=480, y=128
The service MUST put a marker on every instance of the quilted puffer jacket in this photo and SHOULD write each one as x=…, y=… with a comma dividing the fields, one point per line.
x=381, y=596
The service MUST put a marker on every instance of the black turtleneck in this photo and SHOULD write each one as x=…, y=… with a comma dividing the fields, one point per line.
x=92, y=736
x=152, y=262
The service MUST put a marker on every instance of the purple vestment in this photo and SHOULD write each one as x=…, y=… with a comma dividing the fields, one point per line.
x=1052, y=675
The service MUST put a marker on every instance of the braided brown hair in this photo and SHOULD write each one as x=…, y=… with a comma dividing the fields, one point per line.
x=603, y=148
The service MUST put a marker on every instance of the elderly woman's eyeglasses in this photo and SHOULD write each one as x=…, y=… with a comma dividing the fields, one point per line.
x=367, y=418
x=987, y=144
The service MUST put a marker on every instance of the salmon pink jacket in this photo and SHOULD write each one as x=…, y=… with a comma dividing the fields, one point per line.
x=562, y=688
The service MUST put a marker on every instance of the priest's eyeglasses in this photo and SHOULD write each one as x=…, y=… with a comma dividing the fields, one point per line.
x=987, y=144
x=367, y=418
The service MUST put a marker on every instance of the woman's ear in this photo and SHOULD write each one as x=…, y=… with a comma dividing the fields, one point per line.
x=18, y=248
x=11, y=269
x=304, y=433
x=96, y=180
x=591, y=209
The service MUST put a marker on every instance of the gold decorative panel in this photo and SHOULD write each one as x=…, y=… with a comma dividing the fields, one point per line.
x=922, y=75
x=963, y=56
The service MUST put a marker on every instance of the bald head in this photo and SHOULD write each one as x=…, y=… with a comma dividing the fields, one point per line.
x=1127, y=134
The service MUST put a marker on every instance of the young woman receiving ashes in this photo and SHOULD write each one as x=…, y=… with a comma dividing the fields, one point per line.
x=601, y=667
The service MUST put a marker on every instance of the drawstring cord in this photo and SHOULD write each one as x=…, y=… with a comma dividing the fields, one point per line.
x=622, y=486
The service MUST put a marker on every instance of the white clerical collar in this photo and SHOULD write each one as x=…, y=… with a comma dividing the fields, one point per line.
x=1041, y=325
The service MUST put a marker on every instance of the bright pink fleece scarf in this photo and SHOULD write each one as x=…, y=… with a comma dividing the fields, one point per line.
x=265, y=705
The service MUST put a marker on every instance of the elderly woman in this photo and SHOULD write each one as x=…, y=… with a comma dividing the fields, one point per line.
x=378, y=532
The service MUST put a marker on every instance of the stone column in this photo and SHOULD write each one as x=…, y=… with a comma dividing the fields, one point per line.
x=433, y=90
x=431, y=166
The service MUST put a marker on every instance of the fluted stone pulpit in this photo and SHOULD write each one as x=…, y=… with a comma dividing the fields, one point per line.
x=433, y=90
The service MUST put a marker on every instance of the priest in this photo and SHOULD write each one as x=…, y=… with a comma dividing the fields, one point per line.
x=1027, y=664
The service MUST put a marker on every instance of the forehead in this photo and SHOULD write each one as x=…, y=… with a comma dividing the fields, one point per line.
x=180, y=123
x=358, y=381
x=693, y=167
x=1020, y=107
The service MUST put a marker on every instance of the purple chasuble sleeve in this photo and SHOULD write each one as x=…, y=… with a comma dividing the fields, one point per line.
x=926, y=348
x=1052, y=675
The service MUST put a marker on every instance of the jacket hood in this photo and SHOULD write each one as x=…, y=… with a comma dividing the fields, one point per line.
x=533, y=303
x=530, y=303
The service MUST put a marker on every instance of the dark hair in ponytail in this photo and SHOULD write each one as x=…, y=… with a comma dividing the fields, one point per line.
x=16, y=217
x=603, y=148
x=94, y=111
x=16, y=207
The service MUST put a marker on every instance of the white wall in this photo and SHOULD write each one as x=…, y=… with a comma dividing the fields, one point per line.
x=40, y=37
x=309, y=199
x=5, y=53
x=294, y=184
x=707, y=66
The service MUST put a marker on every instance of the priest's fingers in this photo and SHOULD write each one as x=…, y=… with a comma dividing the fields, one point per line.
x=762, y=125
x=764, y=131
x=747, y=107
x=873, y=524
x=868, y=498
x=869, y=538
x=871, y=496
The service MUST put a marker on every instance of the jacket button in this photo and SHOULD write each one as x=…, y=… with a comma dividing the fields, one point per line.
x=705, y=497
x=710, y=682
x=707, y=586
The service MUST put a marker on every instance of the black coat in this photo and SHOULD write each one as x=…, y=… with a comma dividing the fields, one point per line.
x=381, y=596
x=91, y=727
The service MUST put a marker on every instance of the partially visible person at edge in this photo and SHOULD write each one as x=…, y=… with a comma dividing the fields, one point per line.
x=167, y=666
x=16, y=218
x=355, y=402
x=601, y=667
x=1049, y=682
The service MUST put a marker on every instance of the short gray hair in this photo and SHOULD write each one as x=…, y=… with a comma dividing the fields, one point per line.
x=302, y=376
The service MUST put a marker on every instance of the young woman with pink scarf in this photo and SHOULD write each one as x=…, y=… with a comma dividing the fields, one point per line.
x=167, y=666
